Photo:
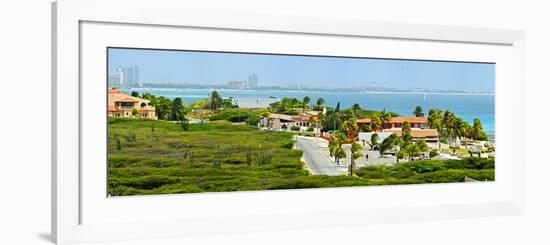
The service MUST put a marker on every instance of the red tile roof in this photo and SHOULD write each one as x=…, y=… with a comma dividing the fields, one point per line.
x=415, y=133
x=127, y=99
x=364, y=120
x=409, y=119
x=398, y=120
x=113, y=91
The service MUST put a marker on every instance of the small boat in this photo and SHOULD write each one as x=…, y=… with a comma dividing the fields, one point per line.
x=424, y=97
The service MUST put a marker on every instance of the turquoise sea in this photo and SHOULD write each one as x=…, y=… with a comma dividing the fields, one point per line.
x=466, y=106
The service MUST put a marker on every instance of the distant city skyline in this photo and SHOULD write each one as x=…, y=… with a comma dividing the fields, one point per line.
x=217, y=68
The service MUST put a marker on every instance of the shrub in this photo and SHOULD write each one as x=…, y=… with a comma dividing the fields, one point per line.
x=434, y=153
x=288, y=144
x=295, y=128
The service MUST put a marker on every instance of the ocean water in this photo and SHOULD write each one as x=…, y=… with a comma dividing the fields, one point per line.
x=466, y=106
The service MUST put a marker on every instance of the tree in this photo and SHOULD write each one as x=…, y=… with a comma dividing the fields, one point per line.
x=350, y=128
x=335, y=146
x=453, y=128
x=400, y=155
x=332, y=146
x=338, y=154
x=320, y=102
x=312, y=122
x=366, y=128
x=422, y=146
x=355, y=154
x=374, y=141
x=385, y=118
x=376, y=123
x=341, y=137
x=433, y=153
x=387, y=144
x=134, y=94
x=415, y=149
x=305, y=101
x=135, y=113
x=477, y=132
x=295, y=103
x=418, y=111
x=177, y=106
x=355, y=108
x=215, y=100
x=163, y=107
x=286, y=105
x=435, y=121
x=405, y=128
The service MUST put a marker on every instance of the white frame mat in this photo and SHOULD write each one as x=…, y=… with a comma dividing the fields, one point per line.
x=67, y=118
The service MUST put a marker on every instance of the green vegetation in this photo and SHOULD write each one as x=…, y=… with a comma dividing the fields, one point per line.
x=158, y=157
x=237, y=115
x=418, y=112
x=355, y=154
x=450, y=127
x=289, y=106
x=429, y=171
x=334, y=117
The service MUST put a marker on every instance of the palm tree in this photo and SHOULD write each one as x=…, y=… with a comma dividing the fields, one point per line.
x=422, y=146
x=335, y=146
x=435, y=118
x=400, y=155
x=305, y=101
x=355, y=154
x=295, y=102
x=376, y=123
x=350, y=128
x=405, y=128
x=418, y=111
x=216, y=100
x=435, y=121
x=415, y=149
x=332, y=146
x=341, y=137
x=355, y=108
x=453, y=127
x=338, y=154
x=388, y=143
x=177, y=104
x=385, y=118
x=477, y=132
x=374, y=141
x=320, y=102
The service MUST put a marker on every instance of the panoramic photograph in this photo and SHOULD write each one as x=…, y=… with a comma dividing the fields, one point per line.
x=190, y=121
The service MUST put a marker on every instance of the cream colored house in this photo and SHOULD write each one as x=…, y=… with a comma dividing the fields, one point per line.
x=123, y=105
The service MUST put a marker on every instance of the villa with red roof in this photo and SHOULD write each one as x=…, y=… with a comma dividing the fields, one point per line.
x=419, y=128
x=123, y=105
x=397, y=122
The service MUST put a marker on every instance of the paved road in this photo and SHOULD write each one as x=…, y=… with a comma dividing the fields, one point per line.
x=316, y=161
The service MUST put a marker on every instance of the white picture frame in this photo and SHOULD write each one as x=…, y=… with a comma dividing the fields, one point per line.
x=67, y=172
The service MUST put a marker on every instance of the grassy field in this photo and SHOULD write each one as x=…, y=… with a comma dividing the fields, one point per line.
x=158, y=157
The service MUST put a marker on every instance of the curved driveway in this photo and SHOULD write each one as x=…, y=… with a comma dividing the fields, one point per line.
x=316, y=160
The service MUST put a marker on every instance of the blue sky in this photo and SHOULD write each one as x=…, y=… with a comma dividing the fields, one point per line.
x=159, y=66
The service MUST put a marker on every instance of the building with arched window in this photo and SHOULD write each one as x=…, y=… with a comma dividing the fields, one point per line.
x=123, y=105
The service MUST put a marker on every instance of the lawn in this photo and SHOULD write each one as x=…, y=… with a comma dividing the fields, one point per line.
x=158, y=157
